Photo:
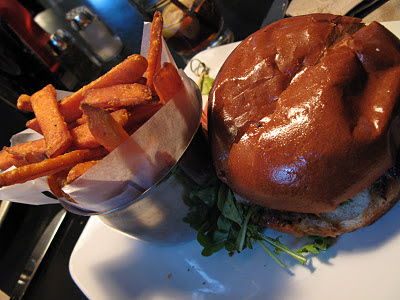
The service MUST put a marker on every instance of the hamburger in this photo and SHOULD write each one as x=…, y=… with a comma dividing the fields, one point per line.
x=304, y=122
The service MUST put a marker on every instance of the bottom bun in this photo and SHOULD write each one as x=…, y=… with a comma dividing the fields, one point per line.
x=360, y=211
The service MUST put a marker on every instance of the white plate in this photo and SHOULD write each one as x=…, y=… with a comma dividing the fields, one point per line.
x=106, y=264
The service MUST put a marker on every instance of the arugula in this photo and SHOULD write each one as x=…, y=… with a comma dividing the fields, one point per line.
x=319, y=244
x=223, y=223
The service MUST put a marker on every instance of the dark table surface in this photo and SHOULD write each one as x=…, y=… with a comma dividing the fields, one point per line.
x=25, y=223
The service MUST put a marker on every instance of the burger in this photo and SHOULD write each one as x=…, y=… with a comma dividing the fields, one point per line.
x=304, y=122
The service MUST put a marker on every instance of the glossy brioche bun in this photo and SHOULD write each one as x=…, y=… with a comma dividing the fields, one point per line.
x=304, y=112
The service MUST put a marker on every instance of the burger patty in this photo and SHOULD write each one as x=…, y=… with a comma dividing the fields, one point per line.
x=357, y=212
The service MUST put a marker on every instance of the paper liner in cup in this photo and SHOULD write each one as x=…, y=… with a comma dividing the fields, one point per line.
x=157, y=215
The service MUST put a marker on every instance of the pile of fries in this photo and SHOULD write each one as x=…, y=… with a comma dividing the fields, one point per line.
x=82, y=128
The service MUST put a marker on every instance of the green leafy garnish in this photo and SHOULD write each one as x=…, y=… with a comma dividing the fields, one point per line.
x=201, y=70
x=243, y=230
x=319, y=244
x=222, y=222
x=205, y=84
x=226, y=204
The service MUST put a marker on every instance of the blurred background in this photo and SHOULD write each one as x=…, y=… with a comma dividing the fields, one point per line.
x=23, y=71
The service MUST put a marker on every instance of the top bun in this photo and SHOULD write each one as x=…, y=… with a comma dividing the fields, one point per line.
x=303, y=114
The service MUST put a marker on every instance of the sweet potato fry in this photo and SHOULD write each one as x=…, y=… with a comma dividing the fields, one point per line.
x=84, y=139
x=103, y=127
x=81, y=120
x=72, y=125
x=34, y=125
x=142, y=80
x=155, y=48
x=8, y=160
x=51, y=122
x=31, y=152
x=50, y=166
x=56, y=181
x=60, y=179
x=79, y=169
x=128, y=71
x=140, y=114
x=24, y=102
x=167, y=82
x=118, y=95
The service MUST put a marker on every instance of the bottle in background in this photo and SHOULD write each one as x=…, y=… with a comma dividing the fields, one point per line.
x=74, y=58
x=104, y=44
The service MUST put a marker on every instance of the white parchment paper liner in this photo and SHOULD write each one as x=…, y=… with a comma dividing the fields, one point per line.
x=133, y=167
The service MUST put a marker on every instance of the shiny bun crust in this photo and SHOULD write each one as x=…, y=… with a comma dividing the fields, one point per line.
x=304, y=112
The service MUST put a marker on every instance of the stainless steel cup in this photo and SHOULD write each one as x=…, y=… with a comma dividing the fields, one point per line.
x=157, y=216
